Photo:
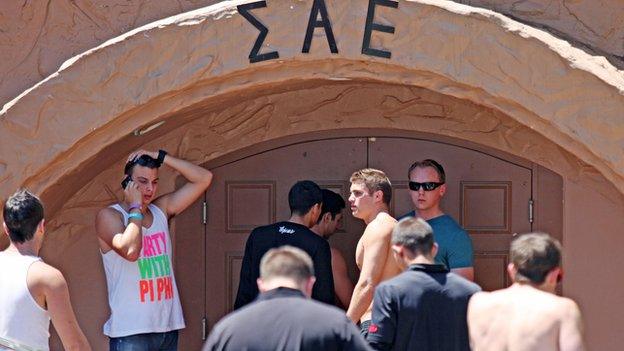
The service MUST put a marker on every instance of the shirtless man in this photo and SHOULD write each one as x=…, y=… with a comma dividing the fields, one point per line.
x=527, y=315
x=369, y=200
x=326, y=226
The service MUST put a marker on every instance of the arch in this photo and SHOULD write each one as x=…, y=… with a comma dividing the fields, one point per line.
x=147, y=75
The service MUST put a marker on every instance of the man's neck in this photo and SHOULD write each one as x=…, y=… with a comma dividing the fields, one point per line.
x=316, y=229
x=542, y=287
x=375, y=213
x=299, y=220
x=429, y=214
x=29, y=248
x=420, y=259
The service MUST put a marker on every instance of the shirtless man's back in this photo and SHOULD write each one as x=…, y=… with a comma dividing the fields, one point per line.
x=370, y=195
x=527, y=315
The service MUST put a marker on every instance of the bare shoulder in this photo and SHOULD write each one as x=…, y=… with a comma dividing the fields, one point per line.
x=45, y=276
x=380, y=227
x=567, y=307
x=108, y=220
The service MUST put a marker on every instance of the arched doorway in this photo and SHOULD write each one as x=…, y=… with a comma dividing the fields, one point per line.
x=490, y=193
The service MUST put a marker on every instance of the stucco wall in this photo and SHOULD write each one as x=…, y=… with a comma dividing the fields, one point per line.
x=36, y=37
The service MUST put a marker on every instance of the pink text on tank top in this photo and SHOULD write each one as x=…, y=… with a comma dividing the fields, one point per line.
x=156, y=283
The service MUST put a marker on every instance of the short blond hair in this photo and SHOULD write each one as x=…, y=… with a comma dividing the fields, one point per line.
x=374, y=180
x=286, y=262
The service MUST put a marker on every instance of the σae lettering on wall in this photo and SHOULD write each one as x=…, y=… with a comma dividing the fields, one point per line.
x=318, y=19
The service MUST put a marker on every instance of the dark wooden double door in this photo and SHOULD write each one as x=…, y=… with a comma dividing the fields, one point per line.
x=487, y=194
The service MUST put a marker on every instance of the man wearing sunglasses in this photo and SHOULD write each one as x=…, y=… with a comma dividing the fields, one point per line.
x=427, y=188
x=527, y=315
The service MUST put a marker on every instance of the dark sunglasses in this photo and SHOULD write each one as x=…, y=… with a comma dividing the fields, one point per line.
x=427, y=186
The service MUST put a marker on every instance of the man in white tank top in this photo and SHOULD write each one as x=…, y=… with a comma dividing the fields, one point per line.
x=136, y=250
x=31, y=292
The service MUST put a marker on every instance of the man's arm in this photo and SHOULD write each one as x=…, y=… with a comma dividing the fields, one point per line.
x=342, y=282
x=461, y=256
x=384, y=320
x=323, y=289
x=177, y=201
x=126, y=241
x=246, y=285
x=571, y=335
x=376, y=245
x=60, y=309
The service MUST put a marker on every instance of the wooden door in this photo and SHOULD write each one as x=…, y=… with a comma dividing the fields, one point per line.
x=488, y=195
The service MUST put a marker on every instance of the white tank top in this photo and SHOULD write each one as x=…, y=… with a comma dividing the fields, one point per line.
x=22, y=320
x=143, y=295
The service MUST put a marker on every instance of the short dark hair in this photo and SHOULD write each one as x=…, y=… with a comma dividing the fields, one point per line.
x=144, y=160
x=415, y=234
x=429, y=163
x=534, y=255
x=303, y=195
x=22, y=213
x=286, y=262
x=332, y=203
x=374, y=180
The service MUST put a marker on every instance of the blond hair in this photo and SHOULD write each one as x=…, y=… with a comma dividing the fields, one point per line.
x=374, y=180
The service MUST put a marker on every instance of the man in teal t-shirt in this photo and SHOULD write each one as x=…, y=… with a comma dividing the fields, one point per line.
x=427, y=187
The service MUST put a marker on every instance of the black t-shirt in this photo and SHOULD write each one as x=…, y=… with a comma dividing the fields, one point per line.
x=262, y=239
x=423, y=308
x=283, y=319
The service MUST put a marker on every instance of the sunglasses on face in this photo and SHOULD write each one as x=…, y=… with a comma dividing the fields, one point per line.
x=427, y=186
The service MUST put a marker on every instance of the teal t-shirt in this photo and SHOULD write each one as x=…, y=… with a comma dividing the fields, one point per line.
x=454, y=244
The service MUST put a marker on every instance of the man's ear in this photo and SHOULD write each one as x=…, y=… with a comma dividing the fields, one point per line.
x=511, y=270
x=553, y=276
x=260, y=285
x=309, y=284
x=378, y=196
x=6, y=229
x=434, y=250
x=442, y=189
x=327, y=217
x=41, y=225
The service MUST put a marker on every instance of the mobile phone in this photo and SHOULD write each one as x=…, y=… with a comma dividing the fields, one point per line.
x=125, y=181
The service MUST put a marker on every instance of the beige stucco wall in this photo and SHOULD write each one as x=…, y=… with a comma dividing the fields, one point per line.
x=36, y=37
x=532, y=96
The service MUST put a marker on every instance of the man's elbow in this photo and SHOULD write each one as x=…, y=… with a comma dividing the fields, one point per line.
x=131, y=254
x=78, y=345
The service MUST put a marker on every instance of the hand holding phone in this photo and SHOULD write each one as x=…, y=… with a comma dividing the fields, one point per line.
x=125, y=181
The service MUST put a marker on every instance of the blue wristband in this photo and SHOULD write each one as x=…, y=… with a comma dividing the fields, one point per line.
x=137, y=216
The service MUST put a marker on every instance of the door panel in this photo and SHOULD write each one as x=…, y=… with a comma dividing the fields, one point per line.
x=253, y=191
x=487, y=195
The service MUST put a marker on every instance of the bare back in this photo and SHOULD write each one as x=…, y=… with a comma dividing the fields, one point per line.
x=523, y=318
x=374, y=249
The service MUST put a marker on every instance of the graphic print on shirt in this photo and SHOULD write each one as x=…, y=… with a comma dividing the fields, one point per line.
x=156, y=283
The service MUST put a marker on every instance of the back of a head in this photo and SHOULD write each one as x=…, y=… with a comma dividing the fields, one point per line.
x=534, y=255
x=429, y=163
x=303, y=195
x=22, y=212
x=332, y=203
x=374, y=180
x=286, y=262
x=415, y=234
x=144, y=160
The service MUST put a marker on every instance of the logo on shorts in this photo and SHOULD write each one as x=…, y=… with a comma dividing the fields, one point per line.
x=285, y=230
x=372, y=328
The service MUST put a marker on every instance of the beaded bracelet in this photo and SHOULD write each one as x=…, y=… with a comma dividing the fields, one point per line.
x=136, y=216
x=134, y=205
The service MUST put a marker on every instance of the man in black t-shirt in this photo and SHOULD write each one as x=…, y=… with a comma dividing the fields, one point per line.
x=283, y=317
x=425, y=307
x=305, y=199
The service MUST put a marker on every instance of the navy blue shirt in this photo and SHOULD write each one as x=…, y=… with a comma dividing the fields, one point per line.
x=264, y=238
x=454, y=244
x=283, y=319
x=423, y=308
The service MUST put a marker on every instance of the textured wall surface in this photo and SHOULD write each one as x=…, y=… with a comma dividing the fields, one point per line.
x=36, y=37
x=455, y=71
